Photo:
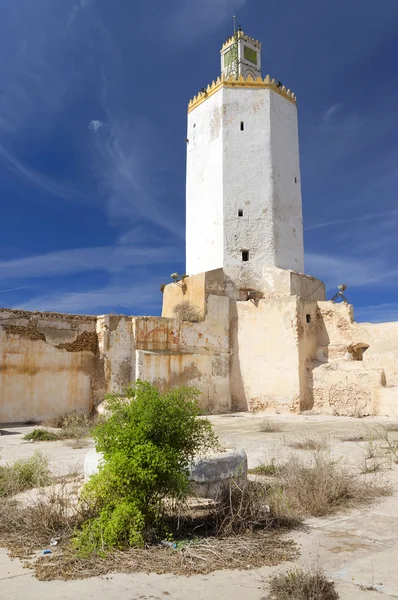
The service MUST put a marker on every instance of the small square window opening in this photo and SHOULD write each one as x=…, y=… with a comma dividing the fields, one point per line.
x=245, y=255
x=240, y=213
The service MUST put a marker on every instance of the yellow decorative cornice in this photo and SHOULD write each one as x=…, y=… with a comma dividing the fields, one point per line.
x=249, y=82
x=240, y=36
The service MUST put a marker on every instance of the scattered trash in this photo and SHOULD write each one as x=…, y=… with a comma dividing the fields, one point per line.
x=48, y=551
x=169, y=544
x=54, y=541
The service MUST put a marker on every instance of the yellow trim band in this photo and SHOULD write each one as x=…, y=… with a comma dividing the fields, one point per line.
x=240, y=36
x=249, y=82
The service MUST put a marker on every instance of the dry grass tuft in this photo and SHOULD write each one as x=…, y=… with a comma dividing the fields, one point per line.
x=24, y=474
x=25, y=528
x=243, y=507
x=302, y=585
x=319, y=485
x=72, y=425
x=267, y=426
x=392, y=427
x=354, y=438
x=312, y=444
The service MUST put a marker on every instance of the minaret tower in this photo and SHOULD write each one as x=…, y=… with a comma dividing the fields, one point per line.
x=243, y=198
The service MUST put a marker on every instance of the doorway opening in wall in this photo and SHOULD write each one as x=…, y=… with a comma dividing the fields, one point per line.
x=245, y=255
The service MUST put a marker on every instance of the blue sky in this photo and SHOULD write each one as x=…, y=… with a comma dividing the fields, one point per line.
x=93, y=98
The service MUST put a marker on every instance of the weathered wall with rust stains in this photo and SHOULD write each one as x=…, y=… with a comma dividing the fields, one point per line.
x=48, y=363
x=170, y=353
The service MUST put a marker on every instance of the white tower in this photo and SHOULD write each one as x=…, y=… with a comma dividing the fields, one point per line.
x=243, y=199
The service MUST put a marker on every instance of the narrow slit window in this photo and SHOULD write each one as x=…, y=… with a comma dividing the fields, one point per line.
x=295, y=180
x=245, y=255
x=242, y=126
x=240, y=213
x=308, y=318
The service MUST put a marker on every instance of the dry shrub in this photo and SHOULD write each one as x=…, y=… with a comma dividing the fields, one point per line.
x=392, y=427
x=267, y=426
x=302, y=585
x=185, y=311
x=77, y=443
x=313, y=444
x=319, y=485
x=24, y=474
x=242, y=507
x=25, y=527
x=204, y=555
x=74, y=425
x=354, y=438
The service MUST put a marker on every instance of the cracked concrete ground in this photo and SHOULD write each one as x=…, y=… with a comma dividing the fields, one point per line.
x=358, y=549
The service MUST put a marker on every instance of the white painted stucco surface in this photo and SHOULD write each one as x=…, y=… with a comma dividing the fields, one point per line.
x=204, y=196
x=255, y=170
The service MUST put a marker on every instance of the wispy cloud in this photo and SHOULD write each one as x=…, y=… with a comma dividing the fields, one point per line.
x=351, y=270
x=123, y=296
x=16, y=289
x=79, y=260
x=377, y=313
x=44, y=183
x=353, y=219
x=329, y=113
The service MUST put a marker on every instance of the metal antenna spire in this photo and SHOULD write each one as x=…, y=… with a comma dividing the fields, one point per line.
x=234, y=17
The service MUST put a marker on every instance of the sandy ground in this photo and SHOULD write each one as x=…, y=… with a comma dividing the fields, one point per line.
x=358, y=549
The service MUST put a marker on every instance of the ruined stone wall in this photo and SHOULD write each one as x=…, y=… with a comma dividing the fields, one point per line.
x=380, y=344
x=264, y=355
x=48, y=365
x=170, y=353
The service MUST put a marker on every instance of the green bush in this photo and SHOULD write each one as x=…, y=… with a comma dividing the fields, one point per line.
x=148, y=443
x=41, y=435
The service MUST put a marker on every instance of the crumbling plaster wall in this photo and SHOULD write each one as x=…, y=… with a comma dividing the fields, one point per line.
x=346, y=380
x=170, y=353
x=382, y=339
x=264, y=355
x=48, y=363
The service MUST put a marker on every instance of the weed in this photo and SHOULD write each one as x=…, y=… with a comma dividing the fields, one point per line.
x=267, y=426
x=354, y=438
x=41, y=435
x=298, y=584
x=24, y=474
x=392, y=427
x=74, y=425
x=319, y=485
x=268, y=470
x=312, y=444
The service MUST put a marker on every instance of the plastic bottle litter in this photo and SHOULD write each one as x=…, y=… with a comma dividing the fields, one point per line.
x=48, y=551
x=169, y=544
